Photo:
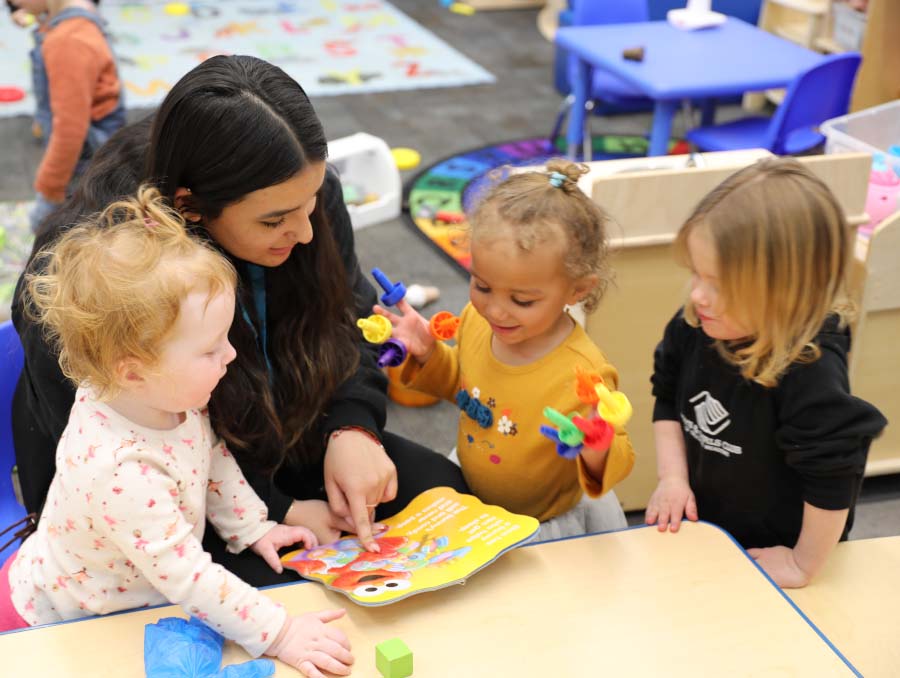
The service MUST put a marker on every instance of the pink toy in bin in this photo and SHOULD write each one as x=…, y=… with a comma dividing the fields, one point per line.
x=883, y=198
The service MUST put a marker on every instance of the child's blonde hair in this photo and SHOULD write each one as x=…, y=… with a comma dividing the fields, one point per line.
x=112, y=287
x=783, y=248
x=538, y=210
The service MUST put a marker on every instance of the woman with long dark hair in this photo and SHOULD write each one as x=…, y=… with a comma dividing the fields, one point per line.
x=236, y=146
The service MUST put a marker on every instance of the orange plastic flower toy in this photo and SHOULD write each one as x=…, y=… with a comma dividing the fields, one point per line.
x=585, y=386
x=598, y=434
x=376, y=329
x=443, y=325
x=613, y=406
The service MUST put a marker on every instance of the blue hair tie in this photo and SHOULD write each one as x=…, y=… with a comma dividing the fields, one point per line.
x=557, y=179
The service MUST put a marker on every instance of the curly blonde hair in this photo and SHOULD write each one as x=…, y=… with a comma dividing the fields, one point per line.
x=111, y=287
x=783, y=248
x=538, y=211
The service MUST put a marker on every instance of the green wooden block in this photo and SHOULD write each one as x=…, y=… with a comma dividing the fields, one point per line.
x=394, y=659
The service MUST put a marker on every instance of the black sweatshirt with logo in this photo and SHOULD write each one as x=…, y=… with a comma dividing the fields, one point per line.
x=756, y=454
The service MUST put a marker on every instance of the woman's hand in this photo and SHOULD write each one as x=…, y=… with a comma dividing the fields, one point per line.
x=780, y=564
x=358, y=476
x=318, y=517
x=279, y=536
x=410, y=328
x=671, y=500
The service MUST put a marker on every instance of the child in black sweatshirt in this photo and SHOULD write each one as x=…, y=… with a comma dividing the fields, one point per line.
x=756, y=429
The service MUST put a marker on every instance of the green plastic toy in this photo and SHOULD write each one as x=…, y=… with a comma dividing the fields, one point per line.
x=393, y=659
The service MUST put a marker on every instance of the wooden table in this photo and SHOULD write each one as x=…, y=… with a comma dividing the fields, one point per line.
x=629, y=603
x=856, y=601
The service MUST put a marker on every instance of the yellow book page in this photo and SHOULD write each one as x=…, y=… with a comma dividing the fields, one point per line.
x=441, y=538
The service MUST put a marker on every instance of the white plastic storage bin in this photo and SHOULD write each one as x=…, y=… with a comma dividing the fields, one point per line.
x=873, y=130
x=370, y=177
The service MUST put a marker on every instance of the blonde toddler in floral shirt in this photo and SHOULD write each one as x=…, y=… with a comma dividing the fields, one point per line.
x=140, y=312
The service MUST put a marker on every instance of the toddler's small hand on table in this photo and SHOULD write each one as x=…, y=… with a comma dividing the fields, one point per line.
x=311, y=646
x=672, y=500
x=780, y=564
x=279, y=536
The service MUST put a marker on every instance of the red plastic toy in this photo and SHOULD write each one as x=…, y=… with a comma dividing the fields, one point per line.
x=598, y=434
x=450, y=217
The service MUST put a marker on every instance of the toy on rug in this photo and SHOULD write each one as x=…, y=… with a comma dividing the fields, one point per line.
x=406, y=158
x=574, y=432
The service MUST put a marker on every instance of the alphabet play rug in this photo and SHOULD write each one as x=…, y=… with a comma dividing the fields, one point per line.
x=329, y=46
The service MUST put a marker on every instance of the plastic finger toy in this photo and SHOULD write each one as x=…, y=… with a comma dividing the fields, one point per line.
x=393, y=353
x=598, y=434
x=585, y=386
x=568, y=432
x=563, y=450
x=393, y=292
x=443, y=325
x=613, y=406
x=376, y=329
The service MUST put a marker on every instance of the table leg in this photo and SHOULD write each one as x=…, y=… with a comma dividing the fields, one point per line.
x=663, y=112
x=581, y=90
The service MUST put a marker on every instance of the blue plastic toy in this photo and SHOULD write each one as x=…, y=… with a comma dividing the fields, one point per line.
x=393, y=292
x=563, y=450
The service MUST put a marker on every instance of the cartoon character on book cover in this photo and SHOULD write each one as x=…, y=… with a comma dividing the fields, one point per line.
x=345, y=565
x=440, y=539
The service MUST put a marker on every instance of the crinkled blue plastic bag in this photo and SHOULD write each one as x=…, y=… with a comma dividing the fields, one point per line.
x=181, y=648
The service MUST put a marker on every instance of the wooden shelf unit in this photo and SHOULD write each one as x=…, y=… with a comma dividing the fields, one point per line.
x=811, y=23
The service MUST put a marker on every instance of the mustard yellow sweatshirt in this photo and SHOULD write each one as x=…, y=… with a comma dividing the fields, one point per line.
x=504, y=457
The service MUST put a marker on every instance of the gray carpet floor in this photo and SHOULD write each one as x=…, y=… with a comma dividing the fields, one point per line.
x=439, y=123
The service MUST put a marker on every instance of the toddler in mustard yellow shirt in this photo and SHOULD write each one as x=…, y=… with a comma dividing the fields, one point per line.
x=538, y=245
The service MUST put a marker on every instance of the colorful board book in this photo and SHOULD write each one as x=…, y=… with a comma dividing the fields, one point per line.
x=440, y=539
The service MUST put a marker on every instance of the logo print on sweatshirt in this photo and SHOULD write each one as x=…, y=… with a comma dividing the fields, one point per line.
x=711, y=416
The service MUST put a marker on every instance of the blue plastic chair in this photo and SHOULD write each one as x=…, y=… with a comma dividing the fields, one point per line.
x=609, y=94
x=814, y=96
x=11, y=360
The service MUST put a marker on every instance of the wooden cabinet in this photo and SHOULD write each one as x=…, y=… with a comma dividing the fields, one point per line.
x=811, y=23
x=800, y=21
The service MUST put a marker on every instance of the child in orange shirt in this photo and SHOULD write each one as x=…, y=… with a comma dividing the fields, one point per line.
x=77, y=90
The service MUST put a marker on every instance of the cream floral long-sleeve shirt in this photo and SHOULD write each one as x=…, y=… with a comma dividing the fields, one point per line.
x=123, y=523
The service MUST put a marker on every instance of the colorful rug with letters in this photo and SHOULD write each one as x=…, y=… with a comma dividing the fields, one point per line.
x=439, y=196
x=329, y=46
